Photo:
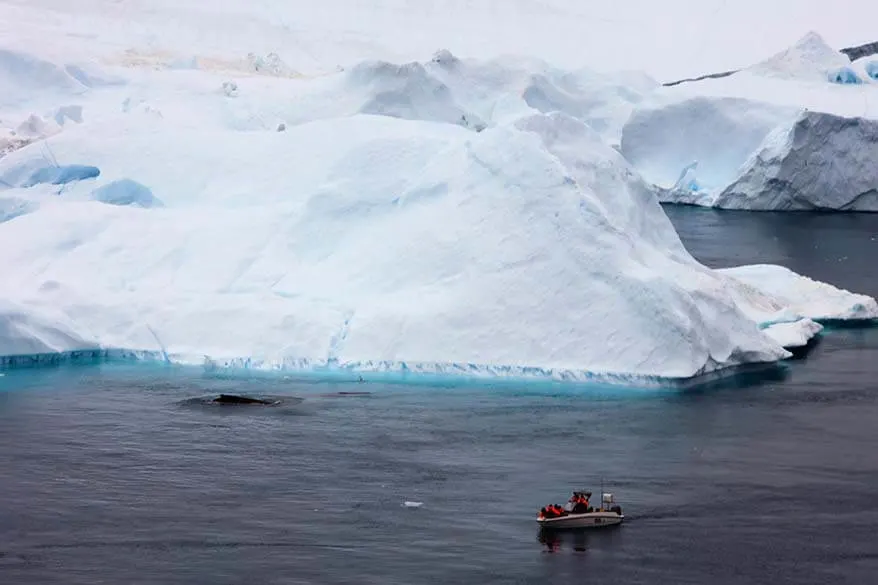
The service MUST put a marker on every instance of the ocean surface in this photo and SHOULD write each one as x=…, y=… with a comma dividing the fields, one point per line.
x=119, y=473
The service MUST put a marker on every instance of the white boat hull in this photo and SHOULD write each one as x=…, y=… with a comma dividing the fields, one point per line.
x=587, y=520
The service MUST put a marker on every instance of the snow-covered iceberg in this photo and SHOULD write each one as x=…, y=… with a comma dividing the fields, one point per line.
x=389, y=243
x=775, y=136
x=445, y=217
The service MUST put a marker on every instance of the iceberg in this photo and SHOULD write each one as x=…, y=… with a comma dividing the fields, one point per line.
x=774, y=136
x=407, y=245
x=448, y=217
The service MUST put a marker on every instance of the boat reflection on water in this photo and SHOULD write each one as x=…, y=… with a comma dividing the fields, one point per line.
x=579, y=541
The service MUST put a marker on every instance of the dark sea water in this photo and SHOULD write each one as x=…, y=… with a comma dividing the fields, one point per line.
x=110, y=474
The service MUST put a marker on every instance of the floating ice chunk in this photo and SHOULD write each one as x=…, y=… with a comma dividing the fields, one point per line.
x=793, y=334
x=803, y=296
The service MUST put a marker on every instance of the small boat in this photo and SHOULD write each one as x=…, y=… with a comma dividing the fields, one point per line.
x=578, y=513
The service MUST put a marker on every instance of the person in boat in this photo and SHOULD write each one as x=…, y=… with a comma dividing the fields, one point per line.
x=579, y=503
x=551, y=511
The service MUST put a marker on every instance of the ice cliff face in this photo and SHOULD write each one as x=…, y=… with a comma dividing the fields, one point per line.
x=821, y=161
x=719, y=133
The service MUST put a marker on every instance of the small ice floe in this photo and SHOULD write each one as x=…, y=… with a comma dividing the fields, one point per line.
x=408, y=504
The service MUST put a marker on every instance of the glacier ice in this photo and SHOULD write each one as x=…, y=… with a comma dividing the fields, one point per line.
x=687, y=180
x=720, y=133
x=844, y=76
x=402, y=272
x=811, y=160
x=28, y=79
x=29, y=330
x=818, y=161
x=775, y=136
x=457, y=216
x=471, y=93
x=60, y=175
x=12, y=207
x=126, y=192
x=804, y=296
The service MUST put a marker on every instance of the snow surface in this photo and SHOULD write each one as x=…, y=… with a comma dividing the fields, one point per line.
x=442, y=215
x=804, y=296
x=734, y=125
x=809, y=58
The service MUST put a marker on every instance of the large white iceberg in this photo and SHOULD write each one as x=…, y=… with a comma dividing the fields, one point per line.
x=451, y=216
x=365, y=242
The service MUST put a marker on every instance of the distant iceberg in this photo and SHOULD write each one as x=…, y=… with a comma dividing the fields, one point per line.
x=774, y=136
